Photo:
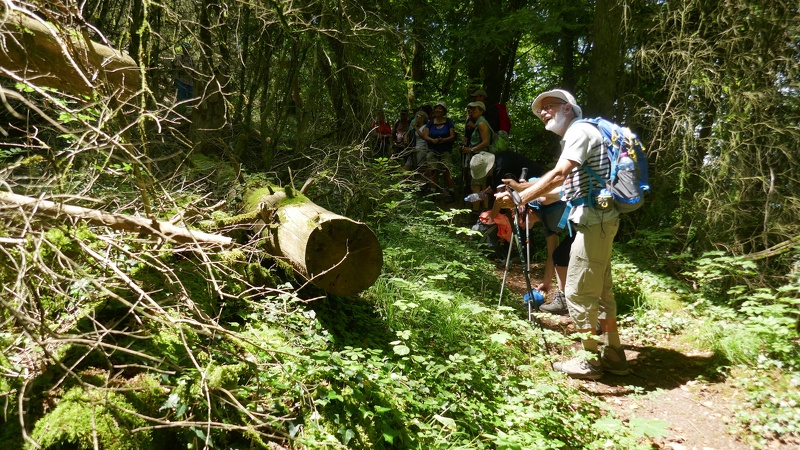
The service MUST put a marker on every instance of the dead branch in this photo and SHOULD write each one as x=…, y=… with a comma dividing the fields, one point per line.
x=122, y=222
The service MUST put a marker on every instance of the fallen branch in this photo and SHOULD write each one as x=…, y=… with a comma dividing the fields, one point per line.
x=122, y=222
x=775, y=250
x=337, y=254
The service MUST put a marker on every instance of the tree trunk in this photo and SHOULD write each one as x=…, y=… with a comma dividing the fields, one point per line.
x=37, y=50
x=606, y=58
x=336, y=254
x=210, y=117
x=417, y=73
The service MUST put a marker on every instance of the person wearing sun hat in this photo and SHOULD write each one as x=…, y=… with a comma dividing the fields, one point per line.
x=557, y=94
x=588, y=286
x=490, y=112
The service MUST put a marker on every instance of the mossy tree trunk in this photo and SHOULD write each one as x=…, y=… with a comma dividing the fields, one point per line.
x=336, y=254
x=64, y=60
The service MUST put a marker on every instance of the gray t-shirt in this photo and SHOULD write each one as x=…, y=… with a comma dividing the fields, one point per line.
x=583, y=144
x=421, y=144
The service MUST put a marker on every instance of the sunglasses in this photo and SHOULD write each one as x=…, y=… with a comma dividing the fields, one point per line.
x=551, y=106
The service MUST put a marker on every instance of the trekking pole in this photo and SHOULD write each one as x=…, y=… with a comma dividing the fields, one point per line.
x=523, y=176
x=528, y=250
x=517, y=200
x=505, y=272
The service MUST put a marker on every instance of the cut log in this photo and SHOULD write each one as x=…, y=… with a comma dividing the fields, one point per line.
x=335, y=253
x=34, y=50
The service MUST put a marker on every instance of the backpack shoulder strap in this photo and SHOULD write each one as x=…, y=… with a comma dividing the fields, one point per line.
x=612, y=136
x=492, y=133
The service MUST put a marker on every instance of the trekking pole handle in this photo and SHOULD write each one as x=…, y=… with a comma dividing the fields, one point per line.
x=514, y=196
x=524, y=174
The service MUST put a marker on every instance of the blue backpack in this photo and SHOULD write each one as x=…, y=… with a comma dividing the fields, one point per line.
x=628, y=181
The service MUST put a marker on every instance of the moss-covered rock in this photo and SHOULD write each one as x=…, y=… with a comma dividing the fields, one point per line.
x=258, y=275
x=145, y=393
x=84, y=418
x=226, y=377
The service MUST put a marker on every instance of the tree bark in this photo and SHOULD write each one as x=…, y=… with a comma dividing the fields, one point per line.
x=35, y=50
x=336, y=254
x=606, y=58
x=210, y=117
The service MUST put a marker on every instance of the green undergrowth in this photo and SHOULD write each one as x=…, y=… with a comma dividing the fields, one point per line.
x=188, y=348
x=191, y=348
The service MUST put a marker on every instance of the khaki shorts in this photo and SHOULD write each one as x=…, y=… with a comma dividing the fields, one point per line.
x=479, y=181
x=588, y=286
x=435, y=162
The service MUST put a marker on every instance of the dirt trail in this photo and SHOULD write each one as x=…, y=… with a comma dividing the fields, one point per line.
x=668, y=383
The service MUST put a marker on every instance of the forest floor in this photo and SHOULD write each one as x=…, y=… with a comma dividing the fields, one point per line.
x=669, y=382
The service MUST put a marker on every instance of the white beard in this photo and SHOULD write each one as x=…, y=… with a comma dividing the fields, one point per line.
x=558, y=124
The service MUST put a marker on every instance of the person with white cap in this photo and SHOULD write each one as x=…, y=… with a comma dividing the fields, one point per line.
x=490, y=112
x=482, y=160
x=588, y=285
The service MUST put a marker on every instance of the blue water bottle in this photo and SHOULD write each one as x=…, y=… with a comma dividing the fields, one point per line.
x=538, y=298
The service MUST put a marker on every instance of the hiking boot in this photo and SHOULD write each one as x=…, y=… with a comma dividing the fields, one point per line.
x=558, y=306
x=580, y=369
x=613, y=360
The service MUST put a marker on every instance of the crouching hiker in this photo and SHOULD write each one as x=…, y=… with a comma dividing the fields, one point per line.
x=588, y=285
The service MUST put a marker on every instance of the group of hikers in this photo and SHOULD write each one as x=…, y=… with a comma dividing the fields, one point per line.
x=425, y=142
x=560, y=199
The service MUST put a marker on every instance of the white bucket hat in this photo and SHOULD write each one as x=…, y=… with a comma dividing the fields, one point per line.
x=536, y=106
x=481, y=164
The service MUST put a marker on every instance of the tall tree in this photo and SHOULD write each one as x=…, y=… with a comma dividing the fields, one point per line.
x=605, y=62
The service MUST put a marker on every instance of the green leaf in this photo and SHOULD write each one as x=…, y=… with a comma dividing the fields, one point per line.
x=653, y=428
x=348, y=436
x=389, y=434
x=401, y=350
x=608, y=424
x=474, y=308
x=501, y=337
x=171, y=403
x=200, y=434
x=448, y=423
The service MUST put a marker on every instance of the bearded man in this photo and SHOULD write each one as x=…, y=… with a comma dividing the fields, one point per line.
x=588, y=285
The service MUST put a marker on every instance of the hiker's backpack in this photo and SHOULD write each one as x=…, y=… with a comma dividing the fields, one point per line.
x=628, y=182
x=498, y=141
x=505, y=121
